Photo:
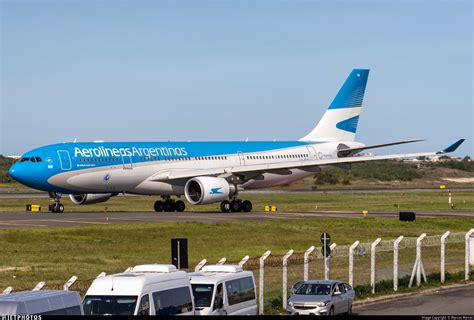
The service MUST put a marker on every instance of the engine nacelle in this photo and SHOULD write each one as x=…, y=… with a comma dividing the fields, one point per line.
x=90, y=198
x=204, y=190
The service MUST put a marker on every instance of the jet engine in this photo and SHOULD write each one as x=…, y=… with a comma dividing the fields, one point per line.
x=90, y=198
x=204, y=190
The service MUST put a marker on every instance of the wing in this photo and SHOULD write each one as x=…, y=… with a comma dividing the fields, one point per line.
x=249, y=171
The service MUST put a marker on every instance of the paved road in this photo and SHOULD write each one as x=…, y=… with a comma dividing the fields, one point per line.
x=454, y=301
x=23, y=195
x=10, y=220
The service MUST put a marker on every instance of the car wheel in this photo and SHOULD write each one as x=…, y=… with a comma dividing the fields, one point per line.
x=331, y=311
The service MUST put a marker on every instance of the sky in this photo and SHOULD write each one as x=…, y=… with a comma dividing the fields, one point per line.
x=232, y=70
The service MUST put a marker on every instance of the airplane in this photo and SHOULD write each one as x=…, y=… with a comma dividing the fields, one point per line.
x=204, y=172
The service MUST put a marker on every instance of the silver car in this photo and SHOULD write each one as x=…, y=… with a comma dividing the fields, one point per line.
x=320, y=297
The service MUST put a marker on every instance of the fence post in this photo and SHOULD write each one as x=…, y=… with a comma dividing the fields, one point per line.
x=418, y=267
x=222, y=261
x=102, y=274
x=443, y=255
x=467, y=246
x=395, y=262
x=39, y=286
x=8, y=290
x=261, y=282
x=243, y=261
x=69, y=283
x=351, y=262
x=285, y=277
x=200, y=265
x=327, y=263
x=372, y=263
x=306, y=262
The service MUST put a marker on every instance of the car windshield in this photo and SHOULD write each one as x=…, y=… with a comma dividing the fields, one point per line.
x=314, y=289
x=202, y=295
x=109, y=305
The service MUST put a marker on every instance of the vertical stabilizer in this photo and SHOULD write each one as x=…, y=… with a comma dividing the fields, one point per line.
x=339, y=122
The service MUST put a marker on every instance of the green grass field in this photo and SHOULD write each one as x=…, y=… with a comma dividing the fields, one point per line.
x=288, y=202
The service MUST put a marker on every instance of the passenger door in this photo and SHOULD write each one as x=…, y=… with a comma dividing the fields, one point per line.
x=337, y=297
x=64, y=159
x=127, y=162
x=144, y=307
x=219, y=306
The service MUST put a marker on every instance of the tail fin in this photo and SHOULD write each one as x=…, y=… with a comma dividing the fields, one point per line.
x=339, y=123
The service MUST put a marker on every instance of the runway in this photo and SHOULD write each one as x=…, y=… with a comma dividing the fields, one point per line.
x=10, y=220
x=38, y=195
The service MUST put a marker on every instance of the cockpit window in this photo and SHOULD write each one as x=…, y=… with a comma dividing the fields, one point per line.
x=32, y=159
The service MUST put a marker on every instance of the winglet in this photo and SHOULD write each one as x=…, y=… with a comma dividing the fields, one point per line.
x=454, y=146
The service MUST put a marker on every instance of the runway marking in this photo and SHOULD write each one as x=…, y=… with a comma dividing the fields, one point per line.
x=22, y=224
x=74, y=221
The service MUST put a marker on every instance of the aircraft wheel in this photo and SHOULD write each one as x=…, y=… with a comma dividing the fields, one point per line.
x=158, y=206
x=225, y=206
x=247, y=206
x=180, y=206
x=235, y=206
x=168, y=206
x=57, y=208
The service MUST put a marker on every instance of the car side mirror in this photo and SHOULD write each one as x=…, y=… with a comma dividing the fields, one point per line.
x=292, y=290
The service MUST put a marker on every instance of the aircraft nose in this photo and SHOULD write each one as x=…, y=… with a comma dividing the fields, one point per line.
x=19, y=173
x=13, y=172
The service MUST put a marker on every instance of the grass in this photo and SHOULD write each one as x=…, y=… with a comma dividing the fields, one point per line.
x=53, y=254
x=288, y=202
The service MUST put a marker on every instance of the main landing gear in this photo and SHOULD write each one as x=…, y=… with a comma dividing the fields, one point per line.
x=236, y=205
x=57, y=206
x=169, y=205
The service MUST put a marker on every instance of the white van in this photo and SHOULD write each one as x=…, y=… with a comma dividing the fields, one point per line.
x=224, y=290
x=43, y=302
x=153, y=289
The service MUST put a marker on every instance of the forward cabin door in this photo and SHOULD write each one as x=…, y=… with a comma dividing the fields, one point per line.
x=65, y=159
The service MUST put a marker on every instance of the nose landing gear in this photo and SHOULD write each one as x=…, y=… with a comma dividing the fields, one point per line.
x=57, y=206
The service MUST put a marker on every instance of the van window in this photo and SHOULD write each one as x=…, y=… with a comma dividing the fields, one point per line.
x=240, y=290
x=173, y=301
x=202, y=295
x=144, y=308
x=71, y=311
x=109, y=305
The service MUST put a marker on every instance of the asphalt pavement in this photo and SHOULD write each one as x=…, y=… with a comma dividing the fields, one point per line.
x=449, y=301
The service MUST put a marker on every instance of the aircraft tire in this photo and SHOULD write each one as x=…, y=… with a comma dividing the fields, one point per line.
x=179, y=206
x=246, y=206
x=225, y=206
x=235, y=206
x=168, y=206
x=158, y=206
